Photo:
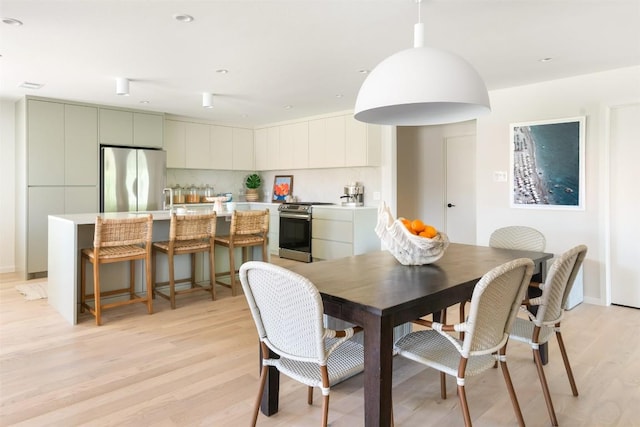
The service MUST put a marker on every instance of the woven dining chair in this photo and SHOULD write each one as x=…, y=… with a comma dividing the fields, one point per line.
x=247, y=229
x=539, y=327
x=117, y=240
x=494, y=305
x=188, y=235
x=288, y=312
x=512, y=237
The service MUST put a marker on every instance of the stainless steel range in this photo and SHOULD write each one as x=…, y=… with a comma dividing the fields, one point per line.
x=295, y=230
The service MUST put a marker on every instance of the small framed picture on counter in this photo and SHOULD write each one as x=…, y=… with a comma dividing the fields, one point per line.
x=282, y=187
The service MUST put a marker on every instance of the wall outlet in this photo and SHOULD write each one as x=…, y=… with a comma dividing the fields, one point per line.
x=376, y=195
x=499, y=176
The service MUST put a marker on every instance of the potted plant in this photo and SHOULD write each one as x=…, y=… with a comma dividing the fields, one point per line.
x=252, y=182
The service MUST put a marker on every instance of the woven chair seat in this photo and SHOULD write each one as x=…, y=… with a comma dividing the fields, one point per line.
x=186, y=246
x=345, y=362
x=523, y=331
x=240, y=240
x=114, y=252
x=432, y=349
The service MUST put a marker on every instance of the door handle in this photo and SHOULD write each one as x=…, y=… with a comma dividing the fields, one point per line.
x=450, y=205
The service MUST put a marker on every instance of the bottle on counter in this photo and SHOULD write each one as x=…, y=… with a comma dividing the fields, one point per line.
x=207, y=194
x=178, y=195
x=192, y=194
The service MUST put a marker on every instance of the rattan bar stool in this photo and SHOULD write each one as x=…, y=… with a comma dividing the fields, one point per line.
x=188, y=234
x=117, y=240
x=248, y=228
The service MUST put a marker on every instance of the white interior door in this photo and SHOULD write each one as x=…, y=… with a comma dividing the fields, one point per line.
x=460, y=195
x=624, y=262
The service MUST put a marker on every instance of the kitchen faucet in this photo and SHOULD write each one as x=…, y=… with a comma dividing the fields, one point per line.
x=164, y=199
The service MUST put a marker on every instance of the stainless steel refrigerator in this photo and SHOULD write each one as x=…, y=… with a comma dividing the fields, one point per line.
x=131, y=179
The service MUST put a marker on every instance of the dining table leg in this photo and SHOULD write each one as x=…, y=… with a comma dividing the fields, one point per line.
x=378, y=370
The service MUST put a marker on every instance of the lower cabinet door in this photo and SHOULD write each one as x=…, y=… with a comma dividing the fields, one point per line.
x=43, y=201
x=327, y=249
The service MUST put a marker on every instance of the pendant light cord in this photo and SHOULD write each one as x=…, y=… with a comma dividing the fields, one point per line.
x=418, y=29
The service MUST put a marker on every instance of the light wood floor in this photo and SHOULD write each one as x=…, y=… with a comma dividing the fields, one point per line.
x=198, y=366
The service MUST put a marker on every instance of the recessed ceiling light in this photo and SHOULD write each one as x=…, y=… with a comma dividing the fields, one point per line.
x=339, y=95
x=31, y=85
x=364, y=71
x=183, y=17
x=144, y=102
x=545, y=59
x=222, y=71
x=12, y=21
x=288, y=107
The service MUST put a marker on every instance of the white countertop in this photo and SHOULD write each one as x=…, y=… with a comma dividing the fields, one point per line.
x=90, y=218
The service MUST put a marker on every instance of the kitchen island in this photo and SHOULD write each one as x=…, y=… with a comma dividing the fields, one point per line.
x=69, y=234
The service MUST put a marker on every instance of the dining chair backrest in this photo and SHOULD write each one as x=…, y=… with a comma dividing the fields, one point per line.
x=494, y=304
x=287, y=310
x=518, y=237
x=556, y=288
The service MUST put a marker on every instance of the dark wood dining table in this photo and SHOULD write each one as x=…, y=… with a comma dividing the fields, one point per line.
x=375, y=291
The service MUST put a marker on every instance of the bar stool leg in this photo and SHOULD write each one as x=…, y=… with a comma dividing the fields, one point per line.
x=232, y=269
x=148, y=275
x=172, y=281
x=96, y=292
x=132, y=279
x=83, y=282
x=212, y=274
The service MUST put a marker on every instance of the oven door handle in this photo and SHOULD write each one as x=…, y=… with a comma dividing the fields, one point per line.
x=295, y=216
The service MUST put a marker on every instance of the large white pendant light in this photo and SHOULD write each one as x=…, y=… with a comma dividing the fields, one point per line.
x=422, y=86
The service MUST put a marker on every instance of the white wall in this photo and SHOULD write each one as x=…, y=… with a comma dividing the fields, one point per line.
x=421, y=169
x=588, y=95
x=7, y=186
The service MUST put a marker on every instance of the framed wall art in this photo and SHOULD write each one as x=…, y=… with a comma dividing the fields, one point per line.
x=547, y=164
x=282, y=187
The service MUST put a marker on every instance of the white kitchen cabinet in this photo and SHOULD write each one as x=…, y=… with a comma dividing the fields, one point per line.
x=197, y=146
x=148, y=130
x=273, y=148
x=45, y=143
x=128, y=128
x=175, y=143
x=294, y=146
x=80, y=199
x=42, y=201
x=363, y=143
x=242, y=149
x=327, y=142
x=260, y=149
x=341, y=232
x=116, y=127
x=221, y=147
x=80, y=145
x=267, y=149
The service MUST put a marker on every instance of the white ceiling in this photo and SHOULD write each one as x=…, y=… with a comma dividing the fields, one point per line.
x=298, y=53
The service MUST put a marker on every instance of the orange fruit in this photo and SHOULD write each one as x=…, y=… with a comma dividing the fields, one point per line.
x=429, y=232
x=417, y=225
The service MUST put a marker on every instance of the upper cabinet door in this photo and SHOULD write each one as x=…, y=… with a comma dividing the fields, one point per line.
x=242, y=149
x=221, y=147
x=197, y=146
x=327, y=142
x=81, y=145
x=260, y=149
x=294, y=146
x=175, y=134
x=147, y=130
x=116, y=127
x=45, y=147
